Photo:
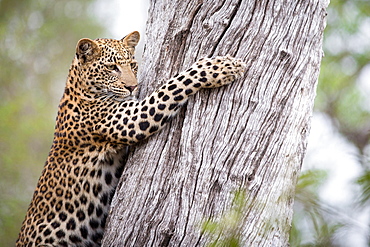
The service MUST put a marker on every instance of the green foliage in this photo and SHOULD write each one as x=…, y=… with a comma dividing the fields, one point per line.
x=364, y=182
x=37, y=47
x=226, y=231
x=310, y=225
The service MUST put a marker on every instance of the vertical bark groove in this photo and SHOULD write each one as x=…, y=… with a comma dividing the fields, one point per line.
x=227, y=26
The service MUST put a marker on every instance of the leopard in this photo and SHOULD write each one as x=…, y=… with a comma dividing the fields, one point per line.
x=98, y=117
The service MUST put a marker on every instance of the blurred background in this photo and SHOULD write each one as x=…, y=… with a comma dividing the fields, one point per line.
x=37, y=45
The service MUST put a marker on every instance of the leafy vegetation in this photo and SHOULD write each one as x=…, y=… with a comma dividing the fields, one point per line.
x=225, y=231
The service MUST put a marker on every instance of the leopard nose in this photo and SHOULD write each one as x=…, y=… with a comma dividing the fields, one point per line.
x=131, y=88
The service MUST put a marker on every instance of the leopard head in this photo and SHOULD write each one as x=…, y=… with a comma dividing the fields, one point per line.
x=107, y=68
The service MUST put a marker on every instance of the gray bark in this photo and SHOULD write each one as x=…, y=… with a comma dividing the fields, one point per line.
x=249, y=135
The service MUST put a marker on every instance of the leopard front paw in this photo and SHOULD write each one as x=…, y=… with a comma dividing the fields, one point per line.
x=218, y=71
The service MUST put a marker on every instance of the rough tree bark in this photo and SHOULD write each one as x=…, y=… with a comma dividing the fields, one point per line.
x=250, y=135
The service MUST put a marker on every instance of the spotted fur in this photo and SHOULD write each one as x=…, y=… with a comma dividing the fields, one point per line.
x=98, y=118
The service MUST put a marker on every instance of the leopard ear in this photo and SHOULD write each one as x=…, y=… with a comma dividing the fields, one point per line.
x=87, y=50
x=131, y=40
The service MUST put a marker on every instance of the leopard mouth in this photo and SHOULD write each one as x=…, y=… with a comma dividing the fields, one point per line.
x=117, y=94
x=122, y=96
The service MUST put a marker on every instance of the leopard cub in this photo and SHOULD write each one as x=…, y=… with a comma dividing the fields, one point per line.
x=98, y=117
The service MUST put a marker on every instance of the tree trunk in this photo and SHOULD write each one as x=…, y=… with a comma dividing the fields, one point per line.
x=249, y=136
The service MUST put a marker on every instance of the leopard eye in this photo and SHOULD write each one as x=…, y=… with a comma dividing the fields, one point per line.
x=113, y=67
